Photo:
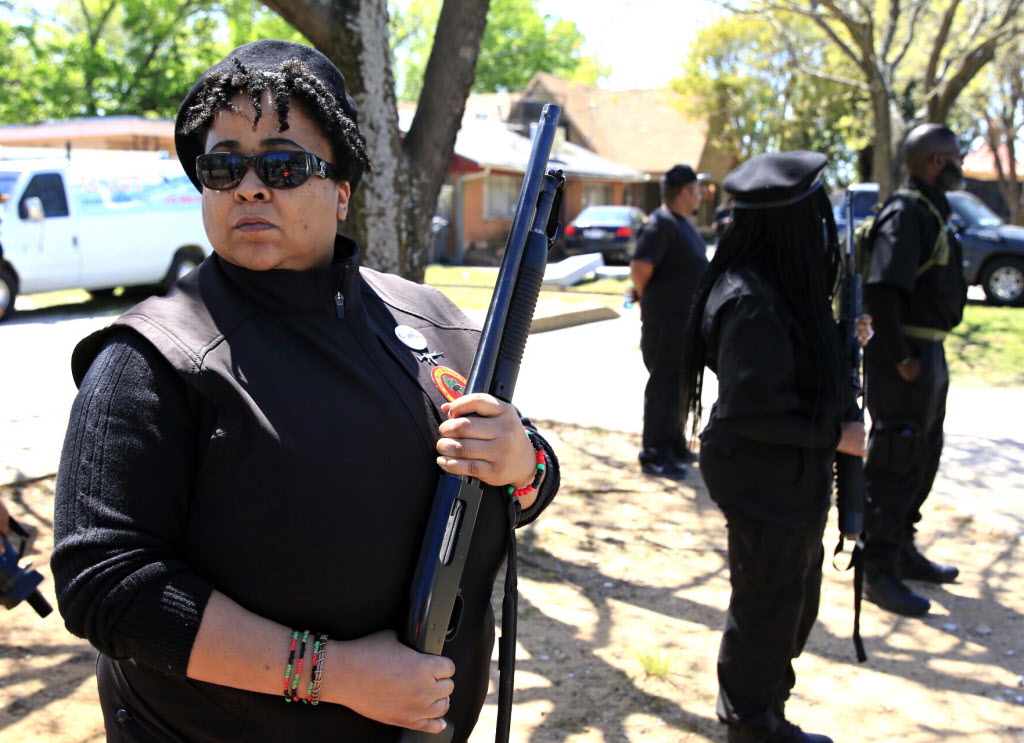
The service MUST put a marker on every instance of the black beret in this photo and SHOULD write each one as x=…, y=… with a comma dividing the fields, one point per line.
x=267, y=55
x=775, y=179
x=681, y=175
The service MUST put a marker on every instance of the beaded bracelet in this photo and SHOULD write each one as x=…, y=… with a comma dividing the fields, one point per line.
x=288, y=668
x=542, y=463
x=293, y=697
x=319, y=652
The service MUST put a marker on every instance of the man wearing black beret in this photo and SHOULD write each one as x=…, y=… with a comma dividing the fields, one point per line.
x=762, y=322
x=670, y=260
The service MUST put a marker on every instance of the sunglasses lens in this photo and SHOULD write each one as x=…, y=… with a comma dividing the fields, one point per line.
x=220, y=170
x=283, y=169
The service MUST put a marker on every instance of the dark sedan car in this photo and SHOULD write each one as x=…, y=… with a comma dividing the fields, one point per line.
x=993, y=250
x=609, y=230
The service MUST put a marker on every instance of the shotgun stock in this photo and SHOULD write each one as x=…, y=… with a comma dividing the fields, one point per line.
x=435, y=605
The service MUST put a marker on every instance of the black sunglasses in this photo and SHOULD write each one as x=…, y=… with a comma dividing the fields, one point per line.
x=222, y=171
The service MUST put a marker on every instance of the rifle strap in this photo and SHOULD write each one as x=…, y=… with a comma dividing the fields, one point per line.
x=940, y=252
x=857, y=560
x=857, y=563
x=507, y=640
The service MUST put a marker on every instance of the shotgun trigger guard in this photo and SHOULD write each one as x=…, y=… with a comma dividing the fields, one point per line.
x=456, y=620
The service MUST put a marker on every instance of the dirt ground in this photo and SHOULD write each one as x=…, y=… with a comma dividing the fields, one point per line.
x=623, y=587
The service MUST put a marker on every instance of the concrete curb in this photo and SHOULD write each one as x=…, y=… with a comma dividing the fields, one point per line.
x=585, y=314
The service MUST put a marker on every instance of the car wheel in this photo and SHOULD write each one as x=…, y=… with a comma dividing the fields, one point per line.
x=1003, y=282
x=8, y=291
x=182, y=264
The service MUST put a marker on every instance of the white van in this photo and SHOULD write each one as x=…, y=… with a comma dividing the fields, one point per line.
x=99, y=220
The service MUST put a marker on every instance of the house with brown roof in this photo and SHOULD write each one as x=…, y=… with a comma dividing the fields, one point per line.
x=983, y=178
x=485, y=176
x=99, y=133
x=646, y=130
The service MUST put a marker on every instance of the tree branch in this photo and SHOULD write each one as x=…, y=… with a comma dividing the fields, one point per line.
x=940, y=42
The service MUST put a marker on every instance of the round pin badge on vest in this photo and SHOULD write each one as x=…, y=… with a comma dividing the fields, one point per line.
x=411, y=337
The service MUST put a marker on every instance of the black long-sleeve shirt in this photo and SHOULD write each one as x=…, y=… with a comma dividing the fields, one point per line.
x=248, y=434
x=904, y=239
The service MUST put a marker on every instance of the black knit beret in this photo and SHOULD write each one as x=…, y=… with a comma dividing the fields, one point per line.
x=681, y=175
x=267, y=55
x=775, y=179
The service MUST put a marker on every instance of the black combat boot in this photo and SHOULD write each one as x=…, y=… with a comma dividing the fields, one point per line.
x=889, y=592
x=915, y=566
x=660, y=462
x=787, y=732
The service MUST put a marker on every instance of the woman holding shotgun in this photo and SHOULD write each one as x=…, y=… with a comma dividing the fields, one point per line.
x=251, y=459
x=762, y=321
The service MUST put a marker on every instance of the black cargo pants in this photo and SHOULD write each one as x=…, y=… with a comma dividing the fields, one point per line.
x=661, y=343
x=904, y=448
x=775, y=574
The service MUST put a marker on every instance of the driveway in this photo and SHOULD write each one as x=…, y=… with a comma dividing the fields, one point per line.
x=591, y=375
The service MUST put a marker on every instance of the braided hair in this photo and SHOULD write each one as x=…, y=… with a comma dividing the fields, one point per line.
x=795, y=249
x=293, y=81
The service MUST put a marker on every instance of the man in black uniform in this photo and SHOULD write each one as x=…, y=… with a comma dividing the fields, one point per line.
x=916, y=293
x=670, y=260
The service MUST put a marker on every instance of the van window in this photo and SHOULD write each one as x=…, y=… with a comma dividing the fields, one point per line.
x=7, y=181
x=49, y=188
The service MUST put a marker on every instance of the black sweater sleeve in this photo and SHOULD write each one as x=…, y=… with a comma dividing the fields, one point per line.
x=123, y=485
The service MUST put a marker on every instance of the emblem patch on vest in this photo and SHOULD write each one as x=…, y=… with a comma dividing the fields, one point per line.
x=450, y=382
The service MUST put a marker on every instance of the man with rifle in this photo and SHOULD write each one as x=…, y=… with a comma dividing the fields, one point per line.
x=914, y=289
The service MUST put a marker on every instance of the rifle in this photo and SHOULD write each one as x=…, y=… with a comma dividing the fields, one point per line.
x=850, y=468
x=434, y=594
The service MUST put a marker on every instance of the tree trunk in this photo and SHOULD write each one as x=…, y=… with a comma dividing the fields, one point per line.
x=392, y=209
x=884, y=156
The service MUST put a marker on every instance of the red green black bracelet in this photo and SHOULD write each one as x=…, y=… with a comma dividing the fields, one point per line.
x=542, y=463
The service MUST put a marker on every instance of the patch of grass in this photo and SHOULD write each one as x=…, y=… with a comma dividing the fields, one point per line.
x=987, y=348
x=656, y=664
x=470, y=288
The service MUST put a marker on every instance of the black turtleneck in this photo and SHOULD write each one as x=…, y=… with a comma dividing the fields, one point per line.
x=264, y=434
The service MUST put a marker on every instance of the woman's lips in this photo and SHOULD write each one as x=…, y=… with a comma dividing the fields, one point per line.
x=254, y=227
x=253, y=224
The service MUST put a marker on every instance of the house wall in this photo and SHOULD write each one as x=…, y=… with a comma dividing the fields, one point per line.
x=476, y=229
x=483, y=237
x=574, y=196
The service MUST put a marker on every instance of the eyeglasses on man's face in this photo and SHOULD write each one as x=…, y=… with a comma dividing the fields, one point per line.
x=281, y=169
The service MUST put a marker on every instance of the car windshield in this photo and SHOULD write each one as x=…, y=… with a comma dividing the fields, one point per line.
x=604, y=214
x=7, y=181
x=863, y=202
x=973, y=210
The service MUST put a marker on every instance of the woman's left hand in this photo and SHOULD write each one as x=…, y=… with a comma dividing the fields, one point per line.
x=484, y=438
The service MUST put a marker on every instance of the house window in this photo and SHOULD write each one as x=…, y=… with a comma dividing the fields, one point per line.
x=501, y=194
x=597, y=193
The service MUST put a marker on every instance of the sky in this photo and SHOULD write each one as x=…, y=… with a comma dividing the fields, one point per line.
x=643, y=41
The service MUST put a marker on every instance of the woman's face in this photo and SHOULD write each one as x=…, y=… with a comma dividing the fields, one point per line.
x=258, y=227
